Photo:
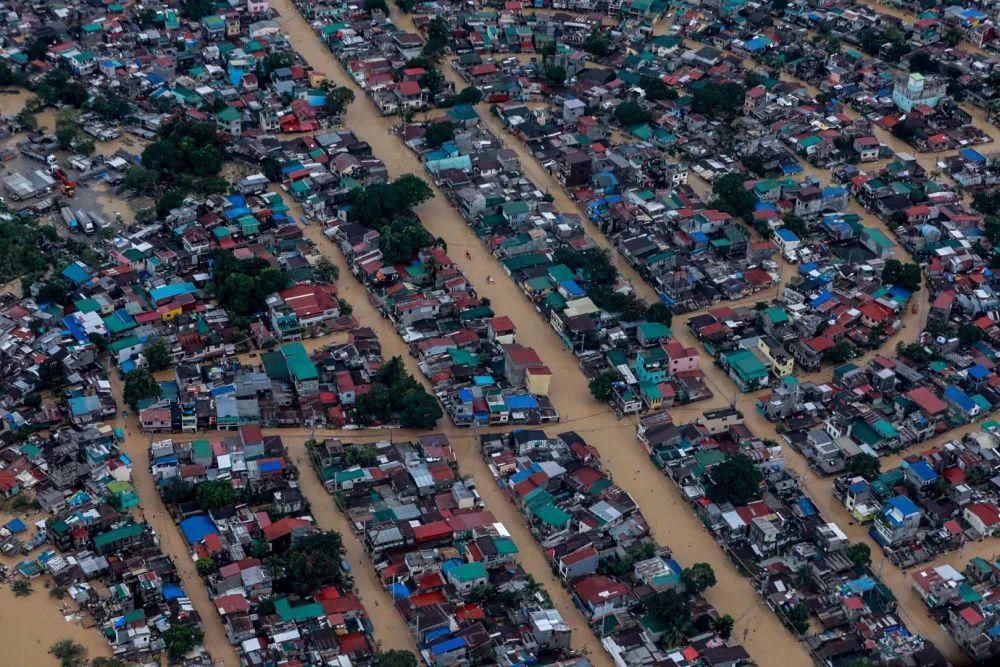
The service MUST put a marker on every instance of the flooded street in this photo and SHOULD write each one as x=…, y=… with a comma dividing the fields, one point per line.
x=136, y=445
x=672, y=522
x=31, y=624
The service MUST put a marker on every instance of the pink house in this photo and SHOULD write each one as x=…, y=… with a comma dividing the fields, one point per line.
x=681, y=358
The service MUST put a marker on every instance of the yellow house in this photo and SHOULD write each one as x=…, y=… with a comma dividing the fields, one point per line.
x=536, y=379
x=169, y=313
x=776, y=356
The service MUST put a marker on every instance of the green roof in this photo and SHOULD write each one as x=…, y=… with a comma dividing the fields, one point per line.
x=468, y=572
x=777, y=314
x=746, y=364
x=123, y=533
x=228, y=115
x=878, y=237
x=304, y=612
x=202, y=449
x=299, y=364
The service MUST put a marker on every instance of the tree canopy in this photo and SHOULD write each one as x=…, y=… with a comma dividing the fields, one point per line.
x=400, y=240
x=438, y=133
x=181, y=638
x=338, y=99
x=314, y=562
x=214, y=494
x=396, y=392
x=395, y=658
x=243, y=285
x=157, y=353
x=732, y=197
x=903, y=275
x=601, y=387
x=379, y=204
x=698, y=578
x=632, y=113
x=139, y=386
x=865, y=465
x=736, y=480
x=721, y=100
x=185, y=148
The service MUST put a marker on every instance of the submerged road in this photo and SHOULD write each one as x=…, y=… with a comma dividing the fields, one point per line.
x=671, y=521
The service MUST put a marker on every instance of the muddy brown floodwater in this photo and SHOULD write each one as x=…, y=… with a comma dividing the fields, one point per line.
x=672, y=522
x=30, y=625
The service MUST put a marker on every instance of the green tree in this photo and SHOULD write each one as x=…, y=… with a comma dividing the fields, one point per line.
x=314, y=562
x=555, y=74
x=406, y=6
x=438, y=133
x=659, y=312
x=51, y=373
x=271, y=168
x=843, y=350
x=469, y=95
x=720, y=100
x=101, y=661
x=402, y=239
x=339, y=98
x=438, y=37
x=215, y=494
x=698, y=577
x=22, y=588
x=176, y=491
x=798, y=618
x=205, y=566
x=860, y=554
x=395, y=658
x=196, y=10
x=111, y=106
x=157, y=353
x=732, y=197
x=379, y=204
x=141, y=180
x=376, y=5
x=969, y=334
x=724, y=625
x=598, y=43
x=865, y=465
x=735, y=480
x=181, y=638
x=419, y=409
x=632, y=113
x=656, y=89
x=602, y=386
x=905, y=275
x=69, y=653
x=27, y=120
x=139, y=386
x=326, y=270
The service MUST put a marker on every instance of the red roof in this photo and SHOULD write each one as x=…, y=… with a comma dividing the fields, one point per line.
x=431, y=531
x=987, y=513
x=230, y=604
x=926, y=400
x=409, y=88
x=283, y=528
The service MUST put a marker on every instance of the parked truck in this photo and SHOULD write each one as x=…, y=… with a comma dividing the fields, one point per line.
x=86, y=224
x=69, y=218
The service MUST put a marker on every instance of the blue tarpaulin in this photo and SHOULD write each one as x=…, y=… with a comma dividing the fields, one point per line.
x=15, y=526
x=195, y=528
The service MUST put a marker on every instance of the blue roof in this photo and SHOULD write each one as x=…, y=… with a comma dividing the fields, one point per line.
x=172, y=591
x=195, y=528
x=959, y=398
x=15, y=526
x=271, y=466
x=806, y=506
x=448, y=645
x=972, y=155
x=522, y=402
x=171, y=290
x=923, y=471
x=903, y=504
x=76, y=273
x=820, y=300
x=787, y=235
x=399, y=591
x=75, y=329
x=858, y=487
x=437, y=633
x=573, y=288
x=978, y=372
